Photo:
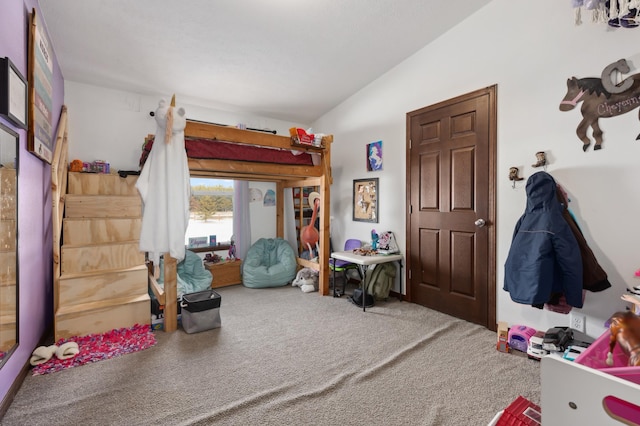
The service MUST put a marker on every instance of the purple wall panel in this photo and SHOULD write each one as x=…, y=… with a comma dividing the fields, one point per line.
x=34, y=204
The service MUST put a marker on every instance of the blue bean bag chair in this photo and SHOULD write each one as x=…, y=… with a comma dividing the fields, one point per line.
x=269, y=262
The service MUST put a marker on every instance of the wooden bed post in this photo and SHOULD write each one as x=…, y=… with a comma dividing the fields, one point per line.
x=325, y=218
x=170, y=293
x=279, y=209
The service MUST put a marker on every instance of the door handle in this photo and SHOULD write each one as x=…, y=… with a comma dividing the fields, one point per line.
x=480, y=223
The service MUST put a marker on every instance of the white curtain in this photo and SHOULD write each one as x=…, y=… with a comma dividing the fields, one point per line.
x=241, y=218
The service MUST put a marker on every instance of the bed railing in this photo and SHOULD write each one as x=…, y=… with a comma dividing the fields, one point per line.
x=167, y=296
x=59, y=175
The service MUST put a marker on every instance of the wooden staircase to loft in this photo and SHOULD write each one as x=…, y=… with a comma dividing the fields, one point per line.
x=103, y=276
x=100, y=276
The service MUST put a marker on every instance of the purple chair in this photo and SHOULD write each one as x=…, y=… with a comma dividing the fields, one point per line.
x=343, y=266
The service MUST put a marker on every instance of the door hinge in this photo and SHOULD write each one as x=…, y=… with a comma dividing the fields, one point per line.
x=409, y=274
x=409, y=143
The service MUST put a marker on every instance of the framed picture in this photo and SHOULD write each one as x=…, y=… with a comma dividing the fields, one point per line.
x=40, y=138
x=374, y=156
x=13, y=93
x=365, y=200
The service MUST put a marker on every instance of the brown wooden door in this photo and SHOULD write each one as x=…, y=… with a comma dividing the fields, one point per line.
x=450, y=188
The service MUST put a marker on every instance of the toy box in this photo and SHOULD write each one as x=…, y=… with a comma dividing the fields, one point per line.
x=596, y=355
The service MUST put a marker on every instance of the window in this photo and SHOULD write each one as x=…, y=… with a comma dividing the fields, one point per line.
x=211, y=220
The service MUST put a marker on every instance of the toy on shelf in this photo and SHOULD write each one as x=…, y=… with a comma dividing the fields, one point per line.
x=76, y=166
x=309, y=235
x=231, y=255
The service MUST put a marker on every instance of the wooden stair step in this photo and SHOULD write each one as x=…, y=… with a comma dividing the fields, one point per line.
x=107, y=256
x=79, y=231
x=97, y=286
x=114, y=206
x=101, y=184
x=101, y=317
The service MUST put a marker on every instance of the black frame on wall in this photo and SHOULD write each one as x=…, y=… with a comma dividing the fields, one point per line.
x=13, y=94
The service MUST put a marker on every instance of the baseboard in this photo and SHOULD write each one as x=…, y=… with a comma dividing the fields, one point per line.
x=395, y=294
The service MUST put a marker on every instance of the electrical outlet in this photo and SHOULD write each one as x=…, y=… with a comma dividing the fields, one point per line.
x=578, y=322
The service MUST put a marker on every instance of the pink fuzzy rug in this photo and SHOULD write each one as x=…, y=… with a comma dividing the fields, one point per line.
x=98, y=347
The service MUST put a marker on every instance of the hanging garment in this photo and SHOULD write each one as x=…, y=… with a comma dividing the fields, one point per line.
x=544, y=257
x=164, y=187
x=594, y=278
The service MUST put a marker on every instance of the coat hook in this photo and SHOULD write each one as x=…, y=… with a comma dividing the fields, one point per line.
x=513, y=176
x=541, y=158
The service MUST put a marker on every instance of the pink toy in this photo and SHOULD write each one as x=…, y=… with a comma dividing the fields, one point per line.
x=519, y=336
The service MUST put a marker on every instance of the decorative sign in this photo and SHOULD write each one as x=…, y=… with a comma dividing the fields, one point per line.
x=39, y=135
x=365, y=200
x=601, y=98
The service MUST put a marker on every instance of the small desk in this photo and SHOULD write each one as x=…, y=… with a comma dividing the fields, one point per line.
x=363, y=262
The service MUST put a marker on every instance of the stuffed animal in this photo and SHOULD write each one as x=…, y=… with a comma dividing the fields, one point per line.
x=307, y=280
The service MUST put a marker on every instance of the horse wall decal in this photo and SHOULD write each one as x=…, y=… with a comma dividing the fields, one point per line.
x=598, y=102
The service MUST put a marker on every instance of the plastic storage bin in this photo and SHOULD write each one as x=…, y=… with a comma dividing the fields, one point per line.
x=201, y=311
x=595, y=356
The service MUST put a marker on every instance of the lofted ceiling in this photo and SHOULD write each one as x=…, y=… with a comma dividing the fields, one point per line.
x=292, y=60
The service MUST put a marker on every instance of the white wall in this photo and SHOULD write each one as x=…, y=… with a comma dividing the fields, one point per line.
x=529, y=50
x=110, y=125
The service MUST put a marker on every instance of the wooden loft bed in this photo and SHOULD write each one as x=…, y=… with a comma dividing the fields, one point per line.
x=284, y=175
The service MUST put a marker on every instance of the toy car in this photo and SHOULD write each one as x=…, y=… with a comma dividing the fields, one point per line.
x=557, y=339
x=535, y=349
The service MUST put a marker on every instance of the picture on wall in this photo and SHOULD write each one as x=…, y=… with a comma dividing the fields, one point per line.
x=13, y=93
x=374, y=156
x=40, y=75
x=365, y=200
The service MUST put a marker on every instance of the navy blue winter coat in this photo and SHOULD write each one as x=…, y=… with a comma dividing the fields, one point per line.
x=544, y=257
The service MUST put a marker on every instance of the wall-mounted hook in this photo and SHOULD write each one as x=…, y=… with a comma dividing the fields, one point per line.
x=541, y=158
x=513, y=175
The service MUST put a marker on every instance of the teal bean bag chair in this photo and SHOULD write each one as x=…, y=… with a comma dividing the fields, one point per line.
x=269, y=262
x=192, y=276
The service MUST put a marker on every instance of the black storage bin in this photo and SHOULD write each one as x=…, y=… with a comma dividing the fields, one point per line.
x=201, y=311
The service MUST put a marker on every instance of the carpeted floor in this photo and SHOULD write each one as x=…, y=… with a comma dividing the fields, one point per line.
x=283, y=357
